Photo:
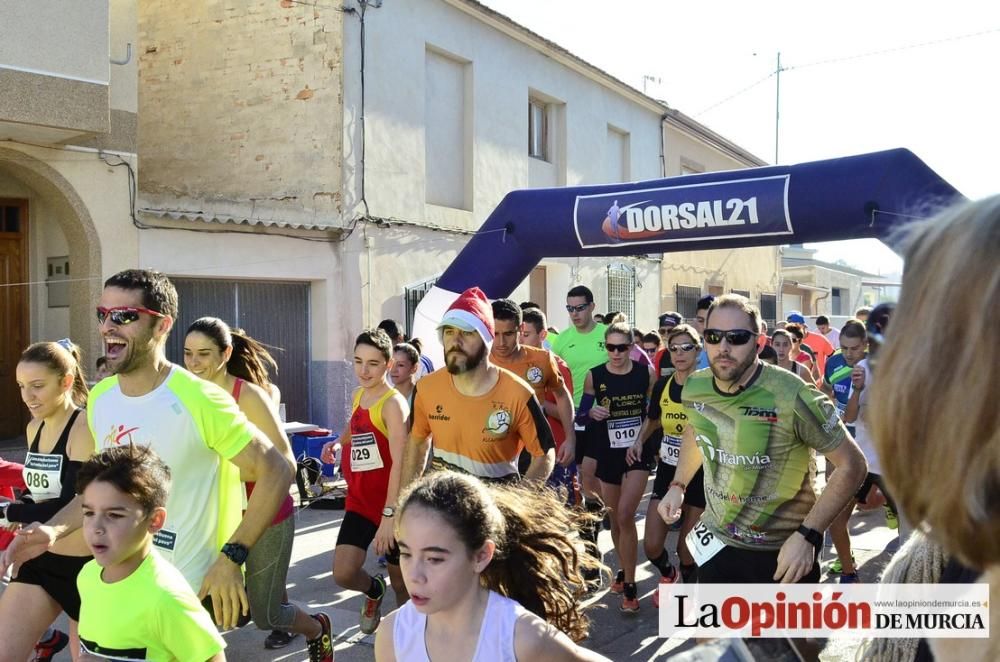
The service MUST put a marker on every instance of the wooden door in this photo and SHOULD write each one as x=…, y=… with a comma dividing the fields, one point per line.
x=13, y=311
x=537, y=287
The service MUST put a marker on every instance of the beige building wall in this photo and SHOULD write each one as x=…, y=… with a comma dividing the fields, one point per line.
x=240, y=109
x=68, y=99
x=757, y=270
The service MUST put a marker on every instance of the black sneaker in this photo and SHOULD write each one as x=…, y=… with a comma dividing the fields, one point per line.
x=321, y=648
x=278, y=639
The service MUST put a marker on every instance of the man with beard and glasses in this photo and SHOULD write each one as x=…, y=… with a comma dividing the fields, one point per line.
x=479, y=415
x=755, y=430
x=199, y=432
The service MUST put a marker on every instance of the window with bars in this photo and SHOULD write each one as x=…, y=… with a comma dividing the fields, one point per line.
x=413, y=296
x=621, y=290
x=687, y=300
x=769, y=309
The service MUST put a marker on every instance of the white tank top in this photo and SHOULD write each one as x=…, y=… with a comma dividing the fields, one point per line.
x=496, y=635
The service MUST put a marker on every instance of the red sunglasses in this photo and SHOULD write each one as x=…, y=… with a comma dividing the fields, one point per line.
x=122, y=315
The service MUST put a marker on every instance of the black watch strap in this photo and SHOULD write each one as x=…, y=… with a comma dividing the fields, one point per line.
x=812, y=536
x=236, y=552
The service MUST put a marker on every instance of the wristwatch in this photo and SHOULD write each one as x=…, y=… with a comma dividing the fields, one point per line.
x=236, y=552
x=812, y=536
x=388, y=511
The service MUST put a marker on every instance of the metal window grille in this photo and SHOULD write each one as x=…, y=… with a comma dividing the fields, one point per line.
x=687, y=300
x=621, y=290
x=413, y=296
x=836, y=301
x=769, y=309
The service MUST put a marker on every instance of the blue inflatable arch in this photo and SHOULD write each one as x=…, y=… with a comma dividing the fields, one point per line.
x=864, y=196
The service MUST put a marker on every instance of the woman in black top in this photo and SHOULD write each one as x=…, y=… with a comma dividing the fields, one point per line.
x=613, y=407
x=54, y=390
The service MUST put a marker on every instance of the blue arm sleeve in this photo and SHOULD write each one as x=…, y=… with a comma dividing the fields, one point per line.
x=583, y=411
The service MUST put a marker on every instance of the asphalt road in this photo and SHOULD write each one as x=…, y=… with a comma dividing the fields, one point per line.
x=616, y=635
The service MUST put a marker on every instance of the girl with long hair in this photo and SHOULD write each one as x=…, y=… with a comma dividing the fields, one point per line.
x=240, y=366
x=493, y=575
x=54, y=389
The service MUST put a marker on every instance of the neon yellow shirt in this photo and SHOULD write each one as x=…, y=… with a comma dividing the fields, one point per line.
x=196, y=428
x=150, y=615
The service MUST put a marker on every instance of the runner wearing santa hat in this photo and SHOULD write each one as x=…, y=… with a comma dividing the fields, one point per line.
x=478, y=414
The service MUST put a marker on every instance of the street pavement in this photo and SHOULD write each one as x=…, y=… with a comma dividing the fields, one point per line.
x=614, y=634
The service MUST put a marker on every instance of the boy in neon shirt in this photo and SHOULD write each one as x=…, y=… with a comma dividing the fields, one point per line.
x=124, y=492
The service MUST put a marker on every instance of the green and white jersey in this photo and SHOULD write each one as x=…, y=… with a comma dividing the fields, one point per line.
x=759, y=453
x=196, y=428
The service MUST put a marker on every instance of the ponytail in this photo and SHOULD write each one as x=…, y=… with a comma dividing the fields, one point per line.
x=62, y=358
x=539, y=554
x=419, y=346
x=251, y=360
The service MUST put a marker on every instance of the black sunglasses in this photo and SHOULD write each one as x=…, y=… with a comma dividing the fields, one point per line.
x=576, y=309
x=612, y=347
x=732, y=336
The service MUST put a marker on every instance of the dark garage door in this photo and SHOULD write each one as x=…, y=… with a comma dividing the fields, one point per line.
x=275, y=313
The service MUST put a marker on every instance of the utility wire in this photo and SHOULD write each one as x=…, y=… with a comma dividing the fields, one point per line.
x=848, y=58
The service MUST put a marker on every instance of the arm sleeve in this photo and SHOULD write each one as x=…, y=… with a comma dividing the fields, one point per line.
x=27, y=512
x=586, y=403
x=534, y=429
x=817, y=422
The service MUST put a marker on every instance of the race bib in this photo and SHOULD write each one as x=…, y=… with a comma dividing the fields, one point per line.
x=670, y=449
x=622, y=432
x=43, y=475
x=364, y=452
x=165, y=541
x=702, y=544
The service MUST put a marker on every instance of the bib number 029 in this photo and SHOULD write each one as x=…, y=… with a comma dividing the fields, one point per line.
x=360, y=454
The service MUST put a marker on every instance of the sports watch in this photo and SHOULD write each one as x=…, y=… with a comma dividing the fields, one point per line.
x=812, y=536
x=236, y=552
x=388, y=511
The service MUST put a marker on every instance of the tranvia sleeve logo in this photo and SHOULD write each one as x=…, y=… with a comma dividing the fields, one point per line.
x=695, y=212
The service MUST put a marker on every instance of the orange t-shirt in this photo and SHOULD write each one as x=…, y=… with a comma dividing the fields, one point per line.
x=821, y=347
x=558, y=433
x=535, y=366
x=480, y=435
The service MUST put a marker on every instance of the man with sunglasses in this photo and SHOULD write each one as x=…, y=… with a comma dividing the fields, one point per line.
x=755, y=429
x=200, y=433
x=581, y=346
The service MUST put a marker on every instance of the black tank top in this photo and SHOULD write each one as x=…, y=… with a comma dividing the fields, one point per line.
x=625, y=397
x=58, y=450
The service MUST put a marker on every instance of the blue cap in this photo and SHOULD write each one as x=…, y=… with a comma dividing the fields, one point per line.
x=795, y=317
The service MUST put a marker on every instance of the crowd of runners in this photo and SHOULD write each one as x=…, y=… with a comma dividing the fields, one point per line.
x=485, y=484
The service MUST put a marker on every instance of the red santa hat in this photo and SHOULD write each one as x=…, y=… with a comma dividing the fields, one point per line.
x=471, y=311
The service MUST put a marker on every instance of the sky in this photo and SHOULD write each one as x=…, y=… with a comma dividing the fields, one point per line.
x=926, y=79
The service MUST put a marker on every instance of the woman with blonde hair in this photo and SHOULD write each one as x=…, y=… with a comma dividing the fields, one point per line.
x=938, y=430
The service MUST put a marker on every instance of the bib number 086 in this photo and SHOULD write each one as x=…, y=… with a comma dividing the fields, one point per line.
x=37, y=480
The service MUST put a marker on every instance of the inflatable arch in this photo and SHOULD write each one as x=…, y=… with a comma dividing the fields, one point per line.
x=864, y=196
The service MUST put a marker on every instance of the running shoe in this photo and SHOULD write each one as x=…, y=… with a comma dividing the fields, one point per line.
x=629, y=605
x=674, y=578
x=46, y=650
x=278, y=639
x=891, y=520
x=371, y=610
x=850, y=579
x=836, y=567
x=321, y=648
x=618, y=586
